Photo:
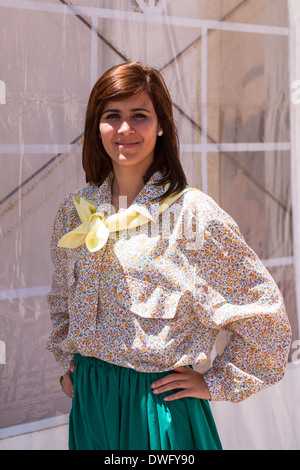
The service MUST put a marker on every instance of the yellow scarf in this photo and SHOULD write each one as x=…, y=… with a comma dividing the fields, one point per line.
x=95, y=229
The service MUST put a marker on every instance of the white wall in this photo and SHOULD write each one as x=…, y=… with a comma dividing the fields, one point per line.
x=266, y=421
x=47, y=439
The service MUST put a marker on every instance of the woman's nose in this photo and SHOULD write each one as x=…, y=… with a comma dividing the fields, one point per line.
x=125, y=126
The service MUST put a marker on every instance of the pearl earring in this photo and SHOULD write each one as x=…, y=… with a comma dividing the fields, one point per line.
x=160, y=133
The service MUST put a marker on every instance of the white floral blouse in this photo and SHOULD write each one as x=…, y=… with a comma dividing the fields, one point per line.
x=155, y=297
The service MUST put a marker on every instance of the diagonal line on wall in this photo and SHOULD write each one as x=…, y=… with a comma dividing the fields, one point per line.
x=192, y=44
x=89, y=25
x=37, y=172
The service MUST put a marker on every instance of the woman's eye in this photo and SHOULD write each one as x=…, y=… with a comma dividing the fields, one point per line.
x=112, y=116
x=115, y=116
x=140, y=116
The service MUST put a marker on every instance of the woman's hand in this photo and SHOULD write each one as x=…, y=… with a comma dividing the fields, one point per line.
x=67, y=383
x=189, y=381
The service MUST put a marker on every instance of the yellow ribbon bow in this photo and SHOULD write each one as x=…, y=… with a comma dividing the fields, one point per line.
x=95, y=229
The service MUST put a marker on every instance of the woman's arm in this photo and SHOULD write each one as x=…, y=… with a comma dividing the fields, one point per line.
x=59, y=293
x=237, y=294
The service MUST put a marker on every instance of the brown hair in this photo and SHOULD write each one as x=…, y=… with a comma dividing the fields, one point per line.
x=121, y=82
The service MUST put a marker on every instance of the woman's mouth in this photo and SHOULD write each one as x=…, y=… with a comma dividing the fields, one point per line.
x=127, y=145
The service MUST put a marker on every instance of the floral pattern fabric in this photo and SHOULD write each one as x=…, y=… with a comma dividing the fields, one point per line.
x=155, y=297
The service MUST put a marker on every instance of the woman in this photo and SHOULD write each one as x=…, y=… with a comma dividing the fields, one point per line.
x=147, y=272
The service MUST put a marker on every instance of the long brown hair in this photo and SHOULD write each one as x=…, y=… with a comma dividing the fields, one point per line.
x=123, y=81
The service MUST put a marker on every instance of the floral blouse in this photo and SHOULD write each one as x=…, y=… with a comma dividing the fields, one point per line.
x=155, y=297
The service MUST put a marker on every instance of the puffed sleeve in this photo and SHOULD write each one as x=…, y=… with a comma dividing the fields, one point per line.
x=59, y=293
x=235, y=292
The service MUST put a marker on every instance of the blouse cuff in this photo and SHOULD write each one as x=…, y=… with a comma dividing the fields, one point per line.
x=231, y=384
x=216, y=390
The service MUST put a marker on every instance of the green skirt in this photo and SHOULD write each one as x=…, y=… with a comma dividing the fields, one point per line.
x=114, y=408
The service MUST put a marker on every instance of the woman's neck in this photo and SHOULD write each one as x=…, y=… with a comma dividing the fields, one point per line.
x=126, y=185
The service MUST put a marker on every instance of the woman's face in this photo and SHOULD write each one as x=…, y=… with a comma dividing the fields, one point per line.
x=128, y=130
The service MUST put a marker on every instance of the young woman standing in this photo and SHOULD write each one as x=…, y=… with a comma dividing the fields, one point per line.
x=147, y=271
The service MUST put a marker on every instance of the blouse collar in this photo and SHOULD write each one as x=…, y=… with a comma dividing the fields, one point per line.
x=145, y=203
